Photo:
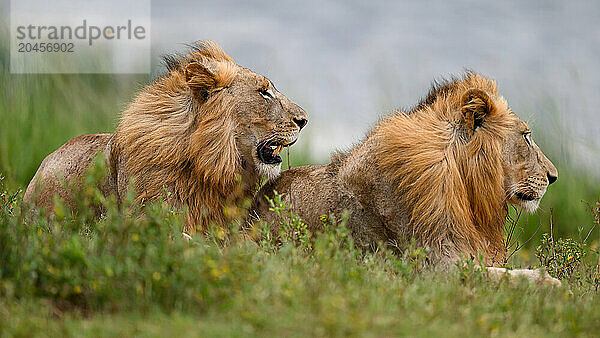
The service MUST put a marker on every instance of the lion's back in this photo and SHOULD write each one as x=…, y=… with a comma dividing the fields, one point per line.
x=302, y=189
x=67, y=163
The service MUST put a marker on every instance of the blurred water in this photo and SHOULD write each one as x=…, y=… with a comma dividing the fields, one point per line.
x=347, y=62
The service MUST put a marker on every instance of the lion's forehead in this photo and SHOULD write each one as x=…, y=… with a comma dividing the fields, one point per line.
x=521, y=126
x=250, y=77
x=517, y=123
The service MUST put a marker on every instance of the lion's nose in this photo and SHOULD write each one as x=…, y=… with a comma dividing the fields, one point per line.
x=300, y=121
x=551, y=178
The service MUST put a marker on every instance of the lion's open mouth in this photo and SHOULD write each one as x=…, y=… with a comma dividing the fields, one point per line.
x=268, y=152
x=524, y=196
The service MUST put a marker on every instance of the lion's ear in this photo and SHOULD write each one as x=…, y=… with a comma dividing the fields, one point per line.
x=200, y=80
x=475, y=105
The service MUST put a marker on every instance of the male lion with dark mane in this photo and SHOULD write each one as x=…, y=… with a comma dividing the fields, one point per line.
x=207, y=132
x=442, y=174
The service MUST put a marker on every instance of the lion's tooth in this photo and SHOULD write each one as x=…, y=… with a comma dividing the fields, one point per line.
x=278, y=150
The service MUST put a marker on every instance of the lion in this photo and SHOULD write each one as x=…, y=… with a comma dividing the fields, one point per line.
x=207, y=132
x=442, y=174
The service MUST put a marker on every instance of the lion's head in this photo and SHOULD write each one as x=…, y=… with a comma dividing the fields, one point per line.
x=526, y=170
x=458, y=158
x=203, y=128
x=265, y=120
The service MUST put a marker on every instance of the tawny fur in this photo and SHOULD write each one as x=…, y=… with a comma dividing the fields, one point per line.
x=166, y=141
x=191, y=136
x=452, y=184
x=441, y=174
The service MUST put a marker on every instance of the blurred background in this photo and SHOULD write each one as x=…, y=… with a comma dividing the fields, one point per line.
x=348, y=63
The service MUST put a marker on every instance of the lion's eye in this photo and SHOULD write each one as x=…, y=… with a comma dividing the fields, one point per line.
x=527, y=137
x=265, y=93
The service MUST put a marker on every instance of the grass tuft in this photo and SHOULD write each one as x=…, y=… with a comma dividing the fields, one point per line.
x=132, y=272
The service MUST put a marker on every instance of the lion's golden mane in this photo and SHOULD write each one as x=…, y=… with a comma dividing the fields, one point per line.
x=442, y=174
x=193, y=137
x=161, y=144
x=449, y=185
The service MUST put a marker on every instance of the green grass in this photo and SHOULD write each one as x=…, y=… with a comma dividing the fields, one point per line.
x=132, y=273
x=41, y=112
x=128, y=275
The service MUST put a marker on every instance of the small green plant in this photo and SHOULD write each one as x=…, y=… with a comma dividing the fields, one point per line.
x=514, y=230
x=336, y=236
x=8, y=201
x=470, y=271
x=415, y=257
x=266, y=239
x=293, y=229
x=561, y=257
x=596, y=213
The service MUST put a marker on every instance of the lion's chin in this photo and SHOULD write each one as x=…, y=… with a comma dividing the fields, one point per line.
x=268, y=171
x=530, y=206
x=529, y=203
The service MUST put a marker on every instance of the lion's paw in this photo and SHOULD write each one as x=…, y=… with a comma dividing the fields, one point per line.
x=537, y=276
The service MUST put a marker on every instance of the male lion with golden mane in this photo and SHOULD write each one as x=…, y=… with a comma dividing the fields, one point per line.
x=442, y=174
x=207, y=132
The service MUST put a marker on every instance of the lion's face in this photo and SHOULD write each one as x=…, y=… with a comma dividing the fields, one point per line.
x=267, y=122
x=257, y=121
x=528, y=170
